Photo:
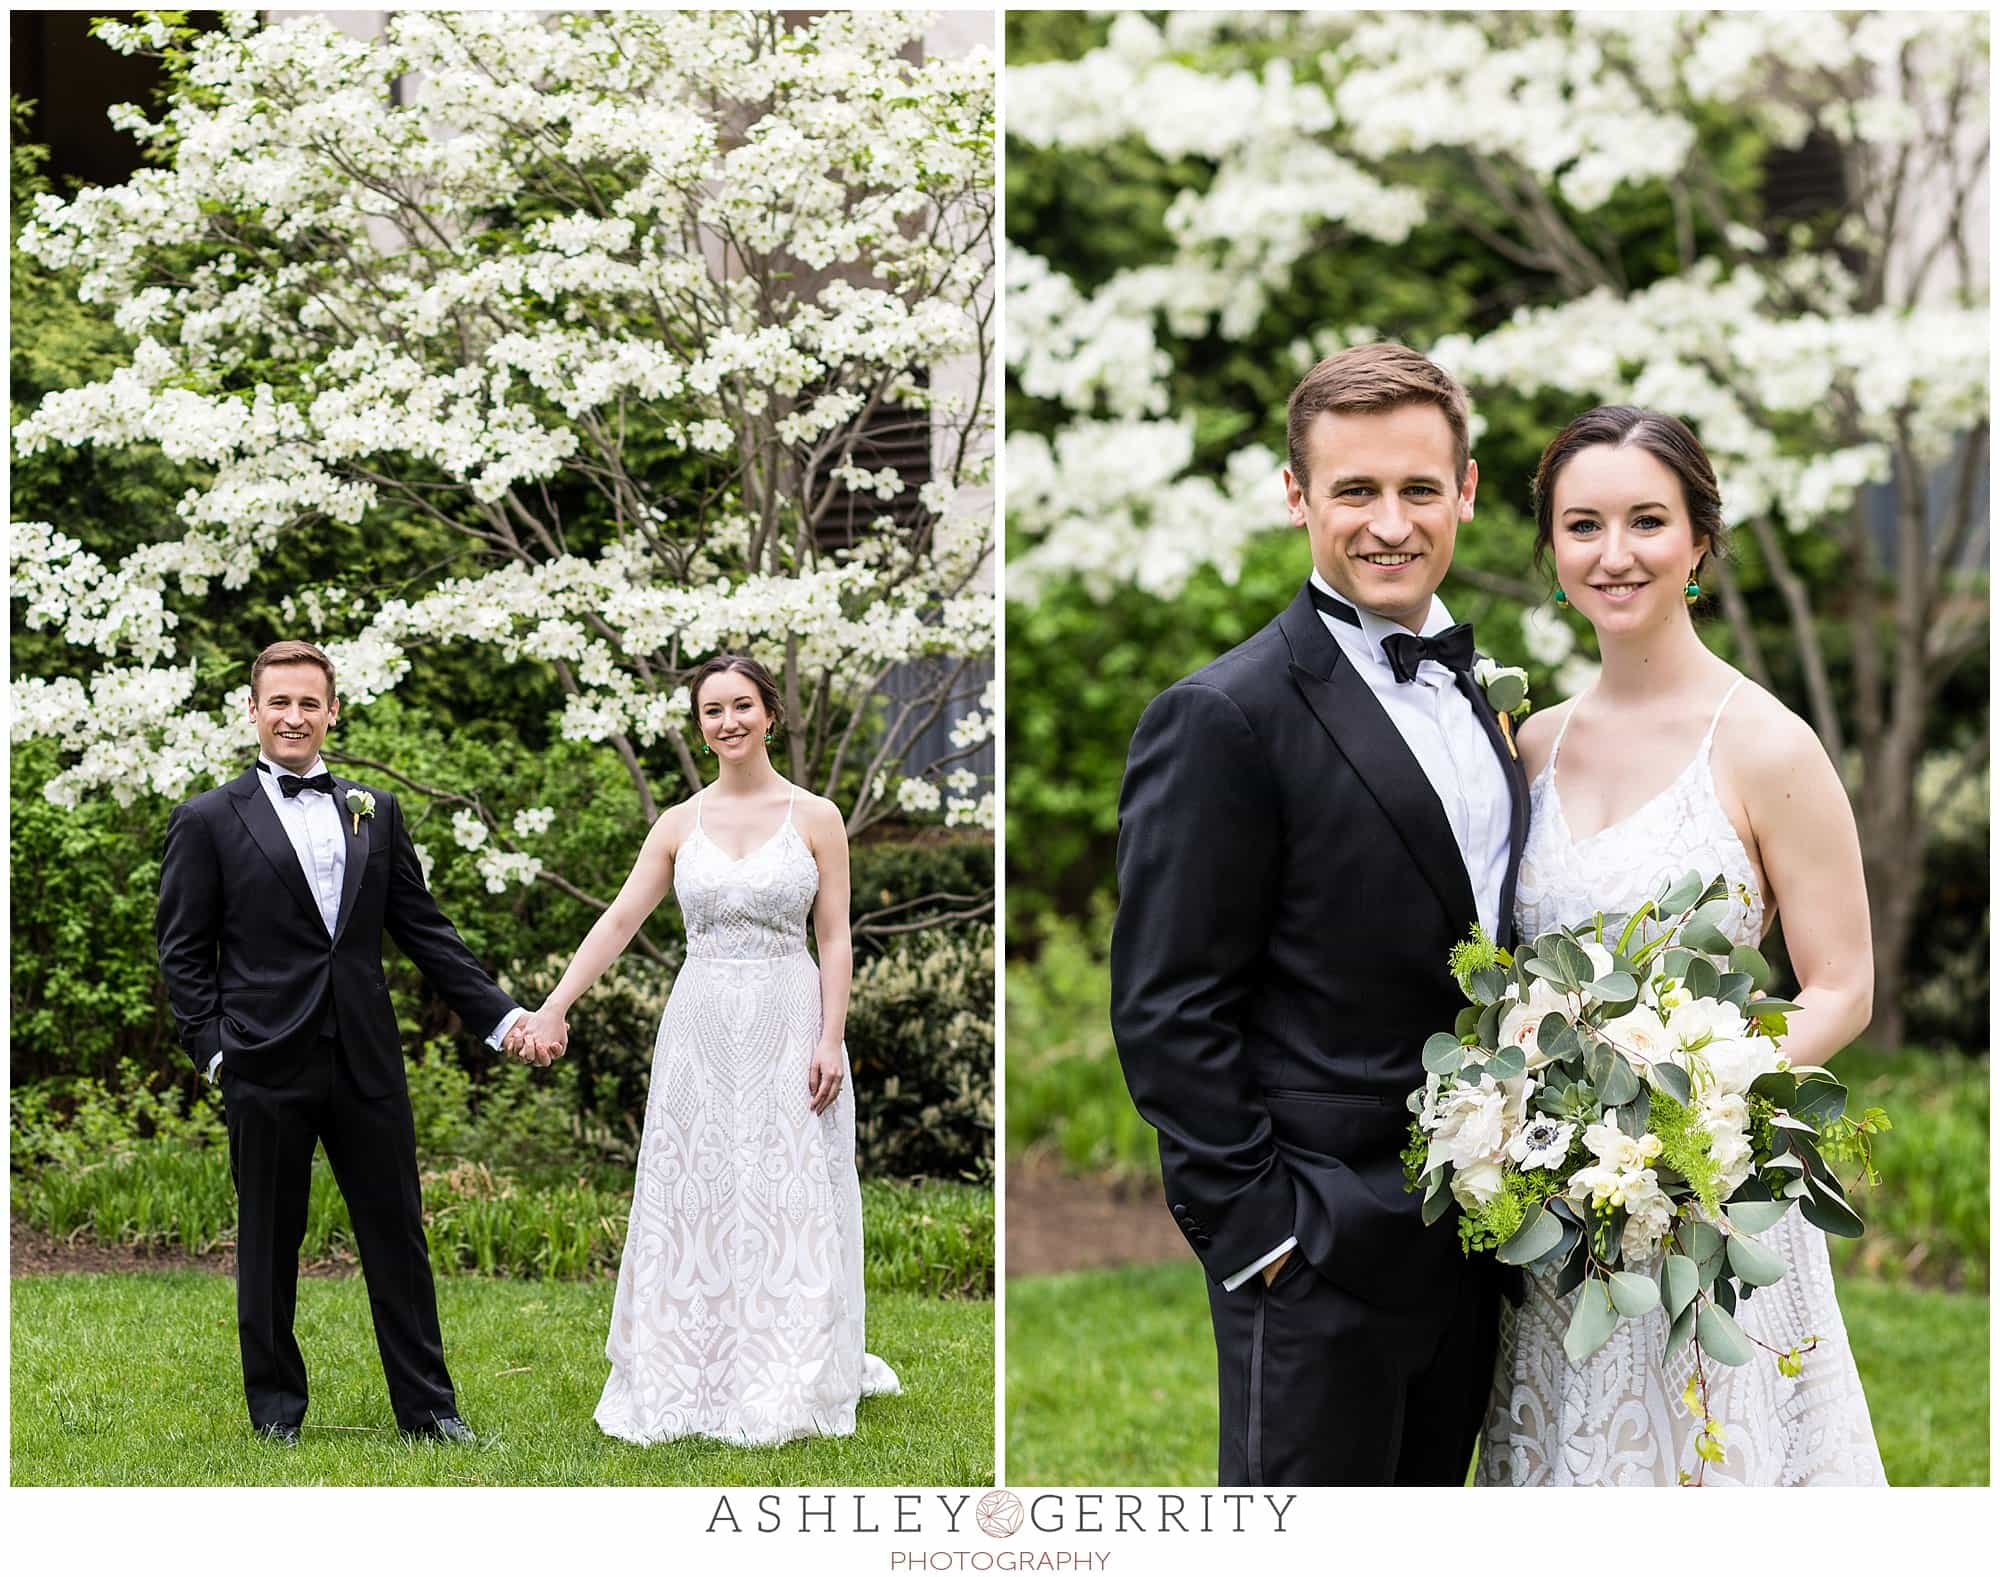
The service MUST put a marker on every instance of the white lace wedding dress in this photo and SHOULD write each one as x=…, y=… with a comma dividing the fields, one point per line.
x=739, y=1311
x=1617, y=1418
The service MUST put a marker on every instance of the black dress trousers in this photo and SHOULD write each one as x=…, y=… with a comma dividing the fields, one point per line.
x=1318, y=1387
x=372, y=1146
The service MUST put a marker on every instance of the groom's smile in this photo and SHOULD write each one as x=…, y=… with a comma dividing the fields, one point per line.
x=1382, y=503
x=292, y=705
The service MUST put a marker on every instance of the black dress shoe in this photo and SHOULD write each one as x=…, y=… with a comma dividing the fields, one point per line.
x=449, y=1427
x=280, y=1434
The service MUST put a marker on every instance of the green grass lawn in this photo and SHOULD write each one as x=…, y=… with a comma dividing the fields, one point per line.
x=1111, y=1378
x=134, y=1379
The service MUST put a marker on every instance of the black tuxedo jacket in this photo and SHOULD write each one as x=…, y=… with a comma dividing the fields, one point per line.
x=1289, y=889
x=250, y=969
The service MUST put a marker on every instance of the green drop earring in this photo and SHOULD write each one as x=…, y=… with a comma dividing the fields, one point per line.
x=1693, y=592
x=1562, y=598
x=767, y=739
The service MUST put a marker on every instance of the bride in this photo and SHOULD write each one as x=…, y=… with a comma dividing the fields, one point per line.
x=1672, y=762
x=739, y=1312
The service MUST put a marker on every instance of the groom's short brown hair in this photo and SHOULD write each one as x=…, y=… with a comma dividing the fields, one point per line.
x=291, y=652
x=1367, y=378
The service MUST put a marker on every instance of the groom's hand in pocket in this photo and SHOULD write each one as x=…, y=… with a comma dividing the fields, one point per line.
x=1272, y=1271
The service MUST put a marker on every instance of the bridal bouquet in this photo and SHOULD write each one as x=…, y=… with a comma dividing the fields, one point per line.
x=1613, y=1109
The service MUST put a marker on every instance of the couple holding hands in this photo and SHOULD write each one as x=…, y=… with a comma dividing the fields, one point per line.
x=739, y=1312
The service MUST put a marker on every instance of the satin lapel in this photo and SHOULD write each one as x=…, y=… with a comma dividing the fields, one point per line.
x=247, y=795
x=1517, y=794
x=1354, y=720
x=357, y=855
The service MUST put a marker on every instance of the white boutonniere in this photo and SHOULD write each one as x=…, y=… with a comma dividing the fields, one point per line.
x=1506, y=691
x=360, y=803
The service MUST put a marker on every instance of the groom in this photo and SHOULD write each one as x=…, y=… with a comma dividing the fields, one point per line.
x=274, y=892
x=1307, y=826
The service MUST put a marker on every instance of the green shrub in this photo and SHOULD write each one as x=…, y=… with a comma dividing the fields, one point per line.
x=920, y=1039
x=174, y=1194
x=915, y=879
x=1066, y=1094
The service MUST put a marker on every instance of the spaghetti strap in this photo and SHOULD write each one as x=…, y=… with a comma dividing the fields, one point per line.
x=699, y=797
x=1562, y=734
x=1708, y=738
x=790, y=801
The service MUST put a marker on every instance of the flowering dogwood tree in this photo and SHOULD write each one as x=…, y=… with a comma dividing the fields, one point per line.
x=619, y=302
x=1812, y=353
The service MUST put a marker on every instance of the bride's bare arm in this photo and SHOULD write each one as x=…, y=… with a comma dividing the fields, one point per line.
x=827, y=835
x=1811, y=854
x=652, y=874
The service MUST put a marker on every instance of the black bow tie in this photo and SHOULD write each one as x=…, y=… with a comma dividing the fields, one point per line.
x=1452, y=647
x=295, y=786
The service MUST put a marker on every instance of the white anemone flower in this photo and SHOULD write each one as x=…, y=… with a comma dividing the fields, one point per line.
x=1542, y=1142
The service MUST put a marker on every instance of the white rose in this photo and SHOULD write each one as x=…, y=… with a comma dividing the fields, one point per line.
x=1476, y=1186
x=1641, y=1035
x=1521, y=1024
x=1737, y=1064
x=1601, y=961
x=1706, y=1016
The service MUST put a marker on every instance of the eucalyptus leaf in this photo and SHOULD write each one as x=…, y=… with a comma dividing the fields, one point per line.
x=1757, y=1007
x=1619, y=1083
x=1757, y=1215
x=1467, y=1022
x=1681, y=1330
x=1443, y=1055
x=1748, y=961
x=1575, y=1266
x=1506, y=692
x=1701, y=934
x=1548, y=971
x=1735, y=989
x=1509, y=1062
x=1575, y=960
x=1632, y=1115
x=1538, y=1234
x=1675, y=965
x=1489, y=1024
x=1487, y=984
x=1682, y=894
x=1633, y=1295
x=1673, y=1081
x=1703, y=978
x=1753, y=1264
x=1724, y=1293
x=1702, y=1244
x=1614, y=987
x=1722, y=1338
x=1590, y=1327
x=1435, y=1205
x=1678, y=1282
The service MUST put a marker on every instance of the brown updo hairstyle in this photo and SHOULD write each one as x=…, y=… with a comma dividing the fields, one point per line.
x=1665, y=438
x=751, y=669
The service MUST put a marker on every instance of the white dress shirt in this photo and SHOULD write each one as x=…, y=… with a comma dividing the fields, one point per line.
x=312, y=820
x=1436, y=720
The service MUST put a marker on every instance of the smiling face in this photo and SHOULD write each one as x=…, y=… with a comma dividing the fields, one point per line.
x=293, y=706
x=1382, y=506
x=733, y=717
x=1623, y=545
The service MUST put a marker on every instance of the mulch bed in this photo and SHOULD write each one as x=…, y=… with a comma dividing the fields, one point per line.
x=1056, y=1222
x=32, y=1253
